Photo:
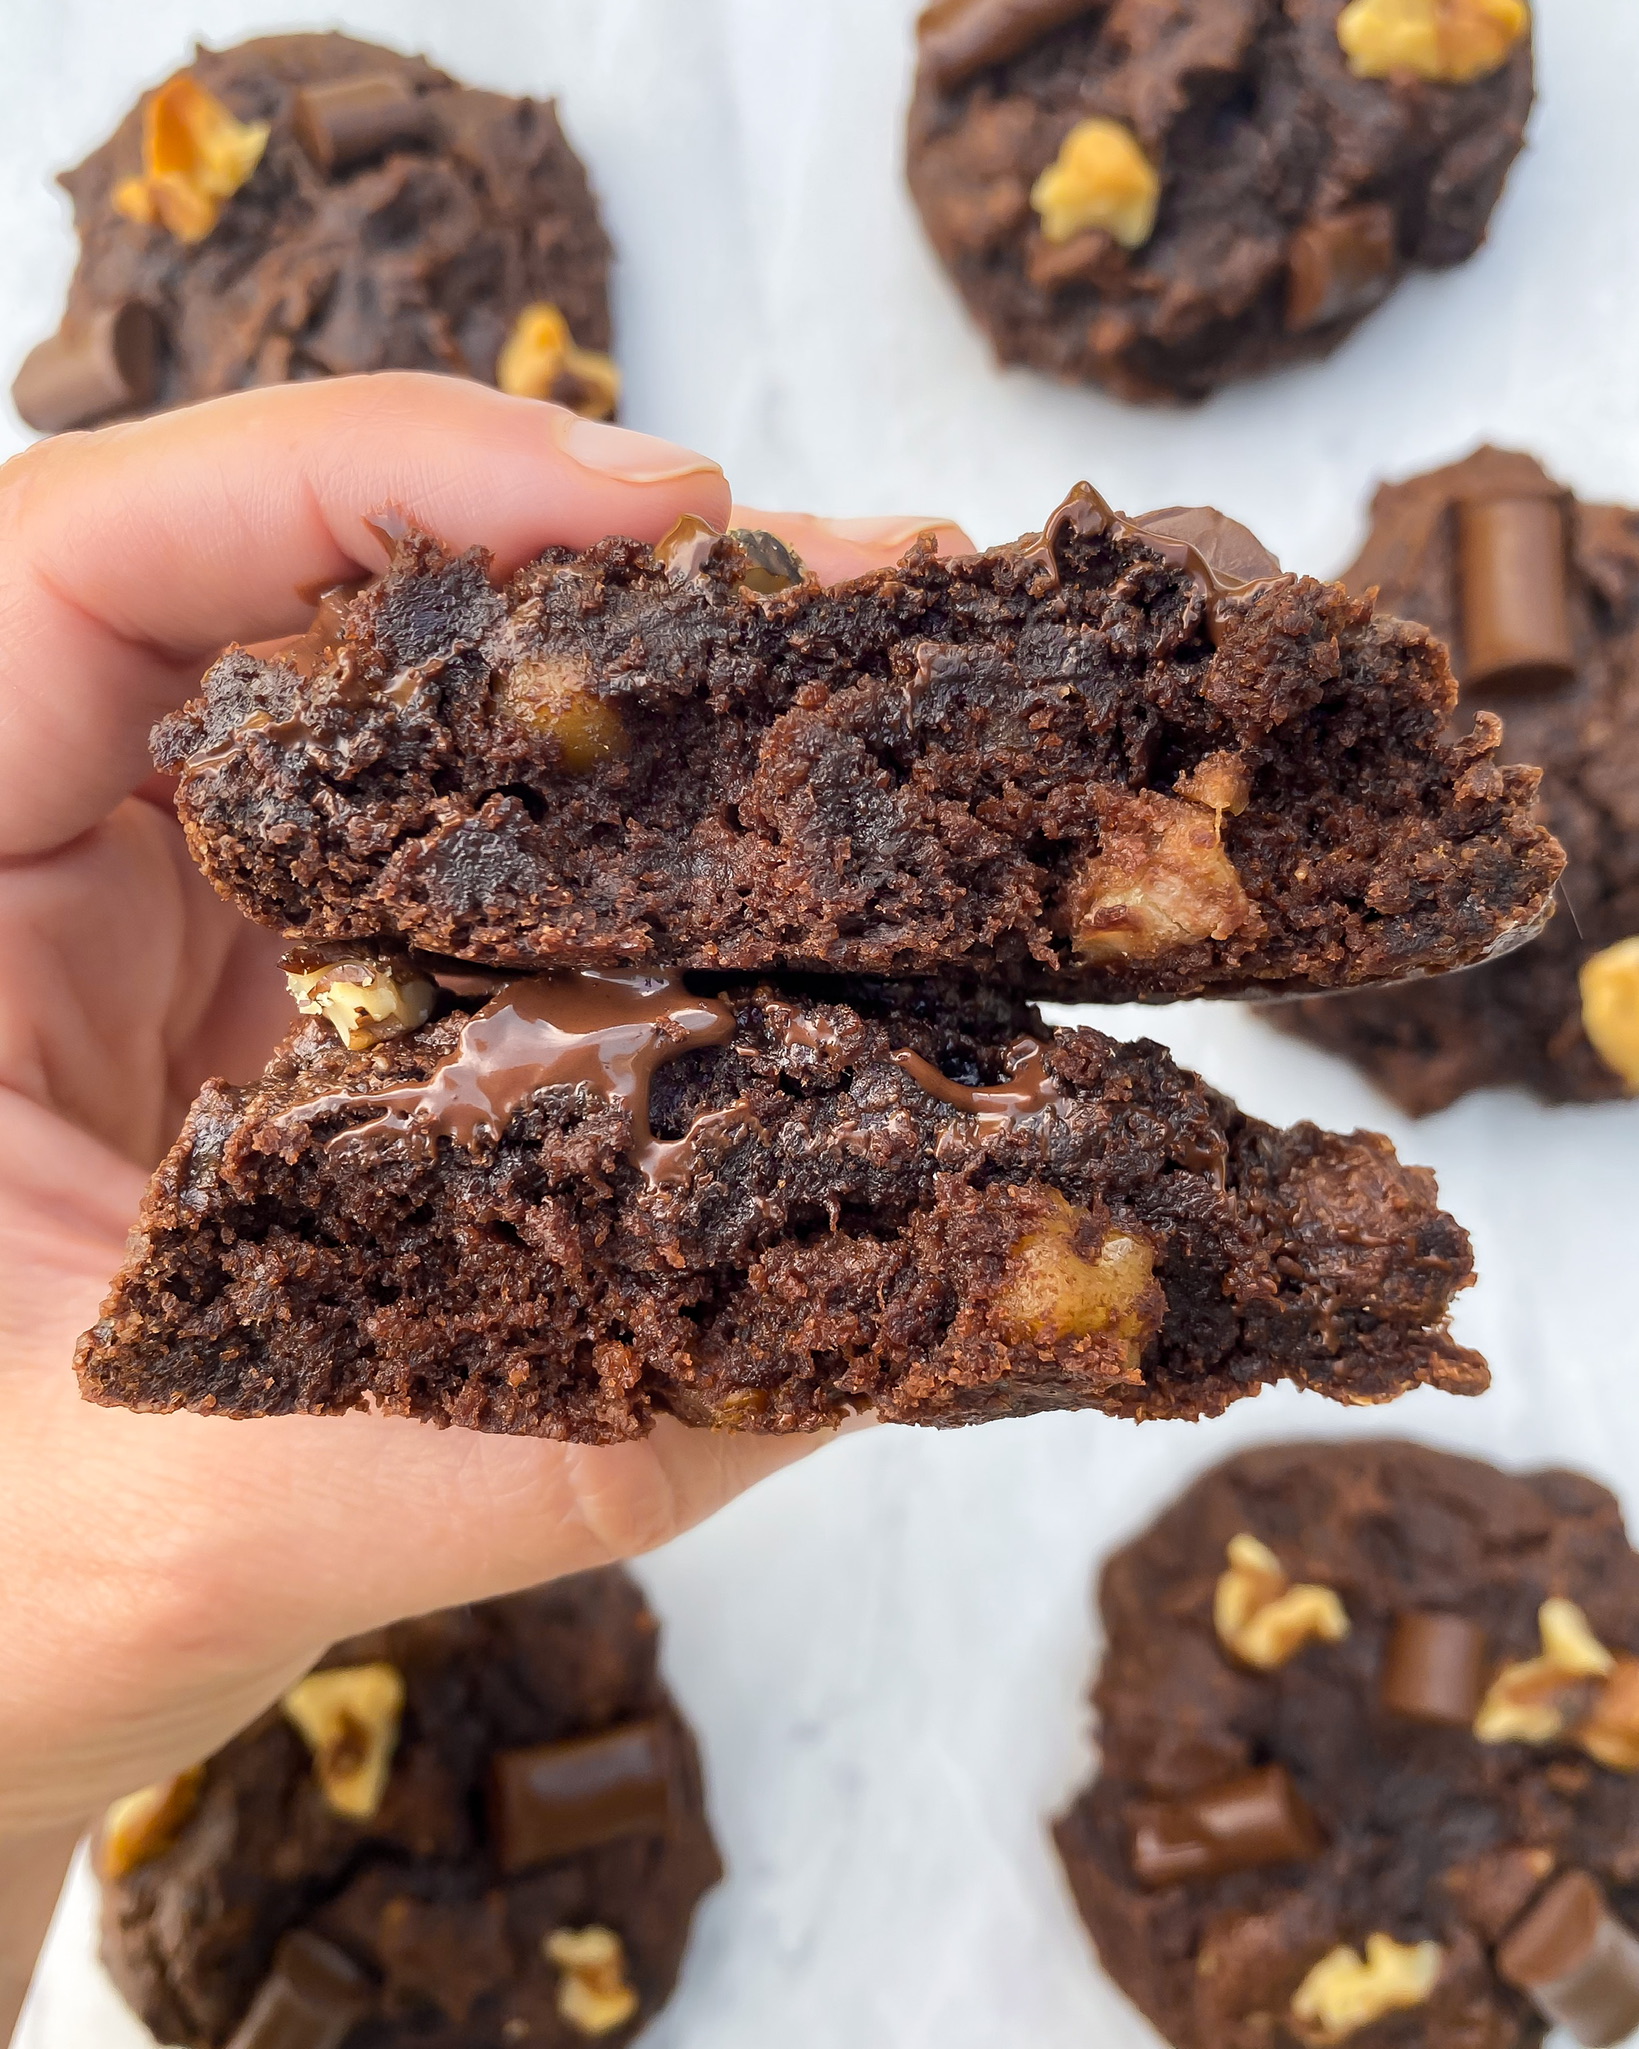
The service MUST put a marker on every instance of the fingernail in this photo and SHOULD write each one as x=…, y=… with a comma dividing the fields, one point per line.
x=628, y=457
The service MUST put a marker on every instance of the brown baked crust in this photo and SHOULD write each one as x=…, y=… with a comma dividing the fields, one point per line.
x=188, y=1936
x=1418, y=1819
x=420, y=257
x=924, y=771
x=1514, y=1022
x=841, y=1239
x=1266, y=144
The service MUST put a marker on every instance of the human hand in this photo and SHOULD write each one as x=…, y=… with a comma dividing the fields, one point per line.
x=166, y=1577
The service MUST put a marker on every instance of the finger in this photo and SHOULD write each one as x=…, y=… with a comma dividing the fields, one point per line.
x=836, y=549
x=133, y=554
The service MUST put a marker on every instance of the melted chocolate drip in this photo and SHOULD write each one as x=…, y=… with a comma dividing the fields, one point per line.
x=1225, y=558
x=610, y=1032
x=1027, y=1092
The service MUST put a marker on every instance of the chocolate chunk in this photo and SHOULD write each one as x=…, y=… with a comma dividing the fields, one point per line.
x=1577, y=1961
x=312, y=1998
x=558, y=1798
x=1515, y=611
x=960, y=37
x=1339, y=267
x=770, y=564
x=1257, y=1818
x=1233, y=554
x=352, y=118
x=110, y=365
x=1434, y=1668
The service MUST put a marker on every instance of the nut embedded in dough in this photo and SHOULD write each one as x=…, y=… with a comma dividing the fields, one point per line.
x=145, y=1825
x=1261, y=1617
x=541, y=360
x=1101, y=178
x=1610, y=1008
x=1345, y=1991
x=1447, y=42
x=1526, y=1702
x=550, y=693
x=593, y=1994
x=195, y=157
x=1057, y=1288
x=348, y=1716
x=364, y=1001
x=1160, y=881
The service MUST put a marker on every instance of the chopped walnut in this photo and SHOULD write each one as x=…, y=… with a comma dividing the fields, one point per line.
x=1528, y=1701
x=1220, y=783
x=1345, y=1991
x=1161, y=880
x=1610, y=1009
x=1261, y=1617
x=1448, y=42
x=1609, y=1733
x=348, y=1716
x=1060, y=1287
x=365, y=1001
x=1100, y=179
x=145, y=1825
x=195, y=157
x=593, y=1994
x=551, y=693
x=540, y=360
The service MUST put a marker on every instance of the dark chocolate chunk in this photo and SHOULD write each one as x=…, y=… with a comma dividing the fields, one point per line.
x=1293, y=194
x=1341, y=265
x=341, y=123
x=269, y=1922
x=107, y=365
x=1516, y=1022
x=1258, y=1818
x=1425, y=1834
x=313, y=1998
x=570, y=1217
x=1057, y=712
x=1434, y=1669
x=1579, y=1963
x=770, y=565
x=555, y=1799
x=1516, y=617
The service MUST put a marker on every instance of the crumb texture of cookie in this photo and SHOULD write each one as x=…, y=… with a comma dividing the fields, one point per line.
x=311, y=206
x=1537, y=597
x=1159, y=199
x=1343, y=1845
x=1116, y=760
x=565, y=1205
x=527, y=1871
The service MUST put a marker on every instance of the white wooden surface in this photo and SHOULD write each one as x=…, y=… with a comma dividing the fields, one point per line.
x=885, y=1651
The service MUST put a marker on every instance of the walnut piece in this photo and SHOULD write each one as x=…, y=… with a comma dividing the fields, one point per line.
x=1610, y=1009
x=1100, y=179
x=1059, y=1288
x=1220, y=783
x=539, y=359
x=349, y=1717
x=195, y=157
x=1261, y=1617
x=146, y=1824
x=1346, y=1991
x=1609, y=1733
x=1161, y=880
x=1527, y=1701
x=550, y=693
x=1448, y=42
x=593, y=1995
x=365, y=1001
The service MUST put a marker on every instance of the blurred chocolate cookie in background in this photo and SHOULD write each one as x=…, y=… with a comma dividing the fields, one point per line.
x=1537, y=597
x=310, y=206
x=1159, y=199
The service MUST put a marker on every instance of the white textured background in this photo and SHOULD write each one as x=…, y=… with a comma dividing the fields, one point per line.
x=885, y=1651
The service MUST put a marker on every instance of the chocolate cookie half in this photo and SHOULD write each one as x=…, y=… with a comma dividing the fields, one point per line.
x=482, y=1828
x=1159, y=198
x=1118, y=759
x=563, y=1205
x=309, y=206
x=1538, y=598
x=1369, y=1723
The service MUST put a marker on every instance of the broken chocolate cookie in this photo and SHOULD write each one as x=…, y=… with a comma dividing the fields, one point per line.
x=310, y=206
x=1369, y=1726
x=1118, y=759
x=481, y=1828
x=1537, y=596
x=565, y=1204
x=1158, y=199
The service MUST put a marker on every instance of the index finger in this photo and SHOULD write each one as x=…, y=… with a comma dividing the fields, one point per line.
x=134, y=554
